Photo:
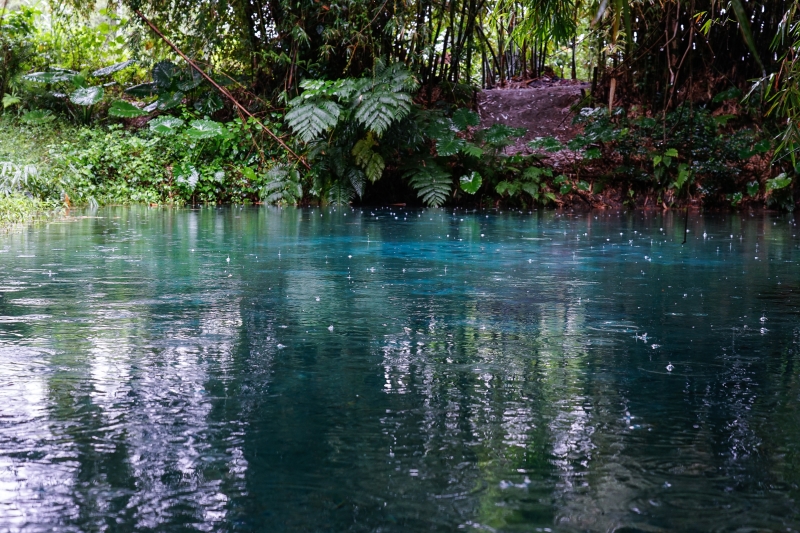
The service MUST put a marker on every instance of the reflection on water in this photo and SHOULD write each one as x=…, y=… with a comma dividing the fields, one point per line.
x=391, y=370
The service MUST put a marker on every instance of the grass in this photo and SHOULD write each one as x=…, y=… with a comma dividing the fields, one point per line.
x=24, y=160
x=20, y=209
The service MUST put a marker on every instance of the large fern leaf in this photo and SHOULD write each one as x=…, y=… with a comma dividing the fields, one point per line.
x=379, y=108
x=283, y=186
x=432, y=183
x=341, y=193
x=384, y=99
x=311, y=117
x=357, y=180
x=368, y=159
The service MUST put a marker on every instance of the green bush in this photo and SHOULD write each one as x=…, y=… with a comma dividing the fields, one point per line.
x=16, y=48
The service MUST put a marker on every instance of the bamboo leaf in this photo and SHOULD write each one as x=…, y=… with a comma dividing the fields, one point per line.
x=744, y=26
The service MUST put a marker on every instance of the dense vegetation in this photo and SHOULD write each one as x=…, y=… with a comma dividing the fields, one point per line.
x=171, y=101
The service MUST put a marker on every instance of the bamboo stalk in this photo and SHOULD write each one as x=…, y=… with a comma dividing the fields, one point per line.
x=221, y=89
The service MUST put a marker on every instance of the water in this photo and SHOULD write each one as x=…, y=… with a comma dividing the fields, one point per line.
x=398, y=370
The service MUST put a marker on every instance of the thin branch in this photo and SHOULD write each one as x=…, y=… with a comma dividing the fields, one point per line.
x=221, y=89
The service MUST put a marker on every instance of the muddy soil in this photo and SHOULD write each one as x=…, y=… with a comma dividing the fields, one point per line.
x=544, y=110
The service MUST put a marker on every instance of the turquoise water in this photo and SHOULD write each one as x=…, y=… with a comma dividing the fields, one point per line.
x=399, y=370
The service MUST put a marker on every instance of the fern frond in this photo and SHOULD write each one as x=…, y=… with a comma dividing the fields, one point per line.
x=371, y=161
x=384, y=99
x=283, y=186
x=432, y=183
x=341, y=193
x=312, y=117
x=357, y=180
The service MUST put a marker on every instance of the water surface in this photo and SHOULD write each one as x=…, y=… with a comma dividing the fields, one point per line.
x=399, y=370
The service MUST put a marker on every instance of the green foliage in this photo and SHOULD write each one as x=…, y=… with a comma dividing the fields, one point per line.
x=19, y=209
x=778, y=182
x=166, y=125
x=37, y=117
x=470, y=183
x=282, y=186
x=312, y=116
x=86, y=96
x=700, y=154
x=365, y=157
x=432, y=183
x=375, y=103
x=550, y=144
x=464, y=118
x=123, y=109
x=16, y=45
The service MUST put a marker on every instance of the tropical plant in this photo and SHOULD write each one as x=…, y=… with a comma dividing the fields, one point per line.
x=16, y=48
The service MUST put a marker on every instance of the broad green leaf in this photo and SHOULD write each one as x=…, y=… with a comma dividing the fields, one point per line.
x=582, y=186
x=123, y=109
x=656, y=160
x=190, y=80
x=448, y=147
x=763, y=146
x=471, y=182
x=209, y=104
x=164, y=73
x=169, y=100
x=79, y=81
x=463, y=118
x=205, y=129
x=111, y=69
x=87, y=96
x=51, y=76
x=166, y=125
x=752, y=188
x=778, y=182
x=249, y=174
x=671, y=152
x=531, y=188
x=142, y=90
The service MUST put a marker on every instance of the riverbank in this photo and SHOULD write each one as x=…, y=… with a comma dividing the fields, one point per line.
x=606, y=161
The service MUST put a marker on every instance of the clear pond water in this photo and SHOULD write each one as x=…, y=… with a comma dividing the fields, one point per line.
x=398, y=370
